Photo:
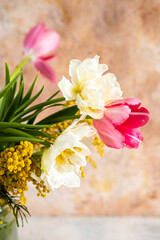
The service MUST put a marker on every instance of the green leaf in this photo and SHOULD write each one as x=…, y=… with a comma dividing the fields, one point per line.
x=8, y=97
x=64, y=114
x=30, y=117
x=15, y=132
x=19, y=67
x=13, y=106
x=19, y=211
x=8, y=86
x=22, y=126
x=38, y=133
x=31, y=121
x=26, y=104
x=29, y=93
x=33, y=116
x=21, y=85
x=37, y=154
x=7, y=75
x=65, y=118
x=5, y=104
x=54, y=94
x=37, y=107
x=15, y=84
x=19, y=138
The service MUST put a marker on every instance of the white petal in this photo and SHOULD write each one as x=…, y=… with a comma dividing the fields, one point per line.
x=91, y=90
x=96, y=114
x=102, y=68
x=73, y=70
x=66, y=167
x=110, y=87
x=72, y=136
x=78, y=159
x=47, y=160
x=56, y=179
x=92, y=95
x=84, y=150
x=66, y=141
x=74, y=123
x=47, y=179
x=85, y=109
x=83, y=130
x=80, y=102
x=87, y=69
x=33, y=175
x=67, y=89
x=57, y=174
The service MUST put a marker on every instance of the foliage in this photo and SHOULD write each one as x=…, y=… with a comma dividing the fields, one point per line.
x=17, y=117
x=19, y=211
x=18, y=123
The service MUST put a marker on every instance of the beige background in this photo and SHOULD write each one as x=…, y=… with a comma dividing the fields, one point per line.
x=126, y=34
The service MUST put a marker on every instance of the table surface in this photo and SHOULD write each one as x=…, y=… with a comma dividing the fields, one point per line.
x=91, y=228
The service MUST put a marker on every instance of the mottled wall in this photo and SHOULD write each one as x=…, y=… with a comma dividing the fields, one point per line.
x=126, y=34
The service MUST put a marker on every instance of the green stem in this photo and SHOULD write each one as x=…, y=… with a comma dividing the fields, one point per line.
x=18, y=68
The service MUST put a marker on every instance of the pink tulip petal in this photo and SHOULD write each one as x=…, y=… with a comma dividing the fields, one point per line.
x=33, y=35
x=120, y=125
x=47, y=58
x=137, y=118
x=127, y=101
x=132, y=136
x=46, y=70
x=108, y=134
x=133, y=103
x=47, y=42
x=117, y=114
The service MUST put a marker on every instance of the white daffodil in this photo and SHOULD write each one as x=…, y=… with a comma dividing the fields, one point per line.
x=90, y=89
x=61, y=163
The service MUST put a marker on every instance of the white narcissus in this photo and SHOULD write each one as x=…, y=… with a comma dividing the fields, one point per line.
x=61, y=163
x=90, y=89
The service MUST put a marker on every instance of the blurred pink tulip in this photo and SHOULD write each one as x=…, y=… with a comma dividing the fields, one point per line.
x=120, y=124
x=38, y=43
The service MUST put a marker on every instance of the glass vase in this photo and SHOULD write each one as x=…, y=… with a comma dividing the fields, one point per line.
x=8, y=229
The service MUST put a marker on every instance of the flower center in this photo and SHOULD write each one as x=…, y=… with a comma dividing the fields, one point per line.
x=64, y=157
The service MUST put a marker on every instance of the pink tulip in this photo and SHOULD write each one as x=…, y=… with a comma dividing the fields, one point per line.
x=38, y=43
x=120, y=124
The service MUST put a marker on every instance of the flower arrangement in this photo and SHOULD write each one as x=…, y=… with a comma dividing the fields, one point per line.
x=51, y=152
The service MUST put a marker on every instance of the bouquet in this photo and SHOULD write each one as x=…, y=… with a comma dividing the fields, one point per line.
x=51, y=152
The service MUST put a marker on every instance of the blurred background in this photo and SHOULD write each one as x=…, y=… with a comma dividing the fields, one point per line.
x=126, y=34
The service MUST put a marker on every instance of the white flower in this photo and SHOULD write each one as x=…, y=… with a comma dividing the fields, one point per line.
x=90, y=89
x=61, y=163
